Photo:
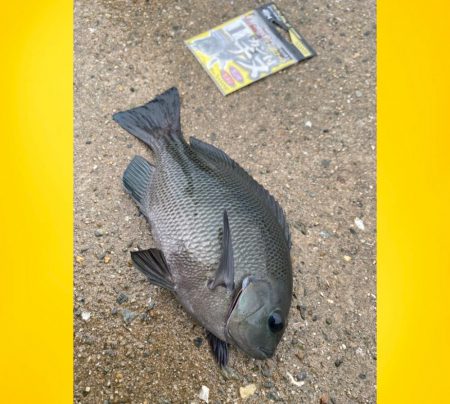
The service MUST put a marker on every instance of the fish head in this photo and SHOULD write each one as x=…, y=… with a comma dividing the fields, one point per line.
x=257, y=318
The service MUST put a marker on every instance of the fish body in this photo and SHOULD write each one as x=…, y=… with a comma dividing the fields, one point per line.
x=223, y=241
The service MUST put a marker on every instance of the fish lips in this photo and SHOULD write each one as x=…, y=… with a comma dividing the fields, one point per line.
x=265, y=353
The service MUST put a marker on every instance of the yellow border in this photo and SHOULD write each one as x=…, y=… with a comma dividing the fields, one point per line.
x=414, y=202
x=36, y=202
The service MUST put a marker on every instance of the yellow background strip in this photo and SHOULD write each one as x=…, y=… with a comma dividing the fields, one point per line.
x=414, y=201
x=36, y=202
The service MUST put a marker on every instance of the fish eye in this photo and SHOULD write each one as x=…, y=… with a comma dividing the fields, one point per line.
x=275, y=322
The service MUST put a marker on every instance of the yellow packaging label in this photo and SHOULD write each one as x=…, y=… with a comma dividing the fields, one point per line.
x=247, y=48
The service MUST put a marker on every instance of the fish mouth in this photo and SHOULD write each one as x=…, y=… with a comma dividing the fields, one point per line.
x=266, y=353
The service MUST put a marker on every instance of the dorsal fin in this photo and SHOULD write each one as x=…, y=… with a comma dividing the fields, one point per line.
x=216, y=155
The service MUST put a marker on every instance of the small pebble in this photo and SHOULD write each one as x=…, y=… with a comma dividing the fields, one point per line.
x=358, y=93
x=347, y=258
x=302, y=227
x=293, y=381
x=328, y=321
x=362, y=376
x=150, y=304
x=85, y=315
x=273, y=395
x=308, y=124
x=325, y=163
x=301, y=376
x=302, y=310
x=122, y=298
x=98, y=233
x=300, y=355
x=359, y=223
x=338, y=362
x=359, y=351
x=88, y=340
x=315, y=317
x=198, y=342
x=266, y=371
x=204, y=394
x=324, y=398
x=268, y=385
x=247, y=391
x=128, y=316
x=114, y=311
x=229, y=373
x=324, y=234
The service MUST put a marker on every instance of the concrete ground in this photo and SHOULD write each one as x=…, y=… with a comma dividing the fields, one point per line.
x=307, y=134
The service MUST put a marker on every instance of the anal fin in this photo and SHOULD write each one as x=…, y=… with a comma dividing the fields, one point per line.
x=153, y=265
x=219, y=349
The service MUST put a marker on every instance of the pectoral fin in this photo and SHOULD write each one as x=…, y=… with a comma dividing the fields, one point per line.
x=225, y=272
x=153, y=265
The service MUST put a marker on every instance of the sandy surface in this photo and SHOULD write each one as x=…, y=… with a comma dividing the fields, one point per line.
x=322, y=173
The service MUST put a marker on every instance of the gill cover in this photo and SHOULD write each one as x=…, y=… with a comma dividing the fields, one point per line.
x=256, y=321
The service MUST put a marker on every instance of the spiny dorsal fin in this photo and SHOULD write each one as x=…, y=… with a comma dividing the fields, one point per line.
x=153, y=265
x=219, y=349
x=218, y=156
x=225, y=272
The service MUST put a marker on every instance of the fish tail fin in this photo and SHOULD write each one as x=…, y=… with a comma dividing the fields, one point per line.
x=154, y=122
x=136, y=180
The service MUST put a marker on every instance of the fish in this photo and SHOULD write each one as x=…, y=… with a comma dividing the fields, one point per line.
x=222, y=240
